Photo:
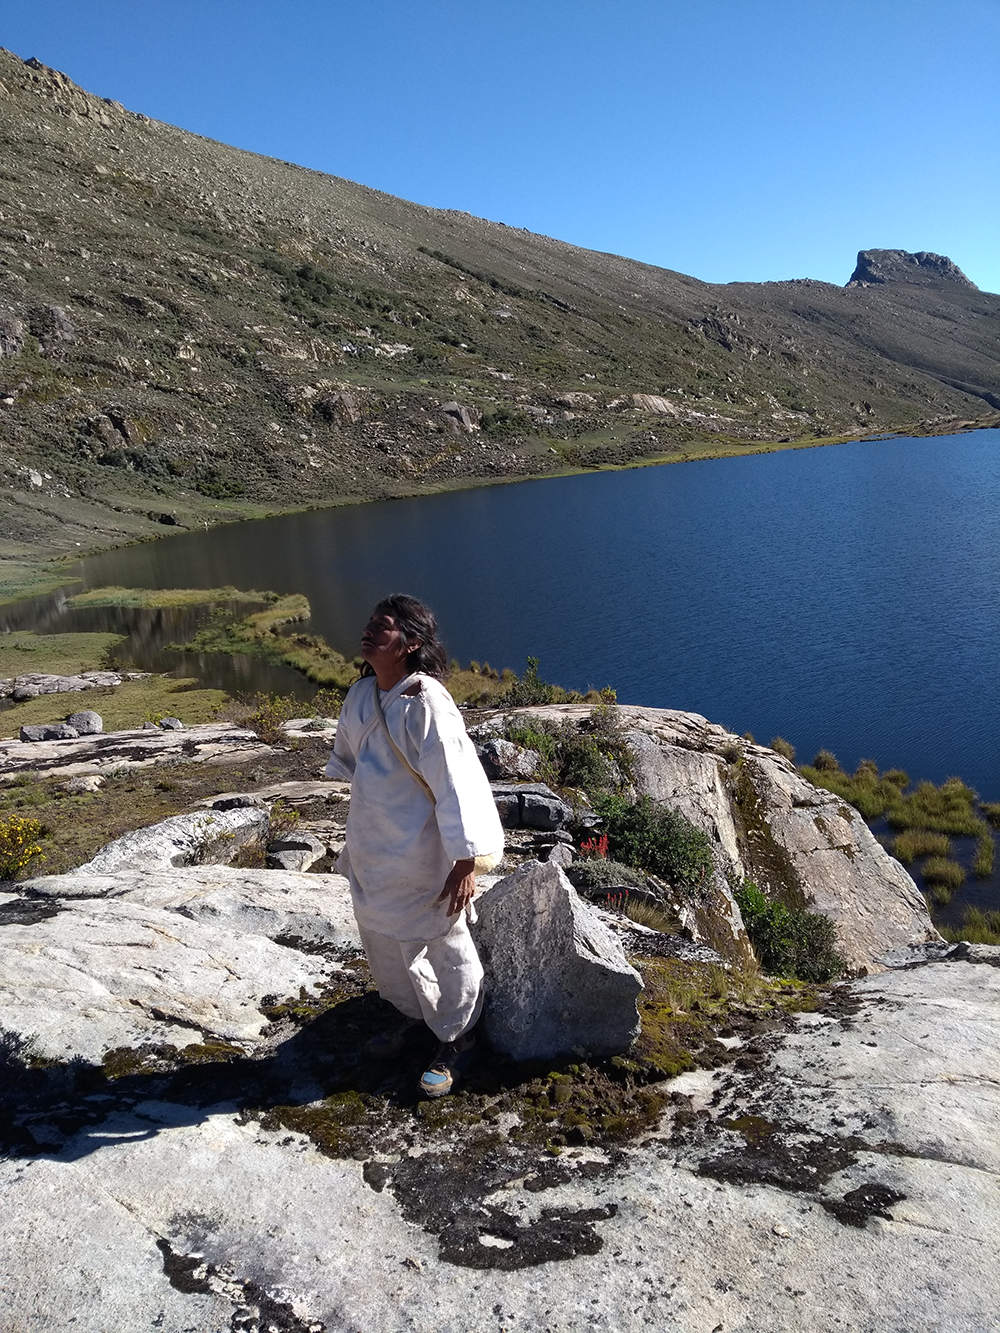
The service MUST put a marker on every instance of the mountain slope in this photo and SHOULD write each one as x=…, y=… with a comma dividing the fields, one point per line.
x=190, y=332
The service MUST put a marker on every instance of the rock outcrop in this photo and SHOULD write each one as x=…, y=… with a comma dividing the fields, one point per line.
x=881, y=266
x=838, y=1175
x=205, y=837
x=33, y=683
x=140, y=748
x=802, y=845
x=94, y=961
x=557, y=980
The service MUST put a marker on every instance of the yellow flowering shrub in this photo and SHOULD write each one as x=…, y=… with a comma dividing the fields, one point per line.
x=18, y=847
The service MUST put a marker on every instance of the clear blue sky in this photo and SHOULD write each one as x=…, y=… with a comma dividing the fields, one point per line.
x=729, y=139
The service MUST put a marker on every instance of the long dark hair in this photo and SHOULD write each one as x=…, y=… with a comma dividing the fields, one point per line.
x=417, y=622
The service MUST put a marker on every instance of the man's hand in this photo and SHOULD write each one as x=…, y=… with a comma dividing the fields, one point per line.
x=459, y=886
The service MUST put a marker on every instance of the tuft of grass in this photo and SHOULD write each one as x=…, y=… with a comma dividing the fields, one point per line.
x=977, y=927
x=991, y=809
x=914, y=843
x=943, y=876
x=949, y=808
x=648, y=914
x=783, y=747
x=982, y=864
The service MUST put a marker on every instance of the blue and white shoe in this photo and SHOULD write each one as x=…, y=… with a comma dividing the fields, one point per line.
x=451, y=1060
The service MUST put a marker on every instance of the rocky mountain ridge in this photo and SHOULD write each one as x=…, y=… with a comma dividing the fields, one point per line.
x=190, y=332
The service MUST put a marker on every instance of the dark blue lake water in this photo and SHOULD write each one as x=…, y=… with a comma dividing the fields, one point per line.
x=846, y=596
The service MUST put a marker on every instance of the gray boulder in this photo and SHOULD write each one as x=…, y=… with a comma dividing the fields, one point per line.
x=503, y=760
x=530, y=805
x=204, y=838
x=296, y=851
x=22, y=693
x=83, y=783
x=52, y=731
x=240, y=801
x=87, y=722
x=557, y=980
x=171, y=724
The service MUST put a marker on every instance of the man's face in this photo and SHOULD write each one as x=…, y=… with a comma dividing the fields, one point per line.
x=382, y=642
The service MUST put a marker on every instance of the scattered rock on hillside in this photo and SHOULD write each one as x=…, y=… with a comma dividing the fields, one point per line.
x=48, y=731
x=182, y=840
x=295, y=851
x=77, y=786
x=557, y=980
x=31, y=684
x=86, y=723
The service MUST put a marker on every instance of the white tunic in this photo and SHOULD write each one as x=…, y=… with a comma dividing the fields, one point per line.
x=401, y=846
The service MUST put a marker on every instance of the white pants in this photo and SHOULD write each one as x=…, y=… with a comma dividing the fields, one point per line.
x=439, y=981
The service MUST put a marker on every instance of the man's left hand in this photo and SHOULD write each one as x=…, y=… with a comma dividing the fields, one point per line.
x=459, y=886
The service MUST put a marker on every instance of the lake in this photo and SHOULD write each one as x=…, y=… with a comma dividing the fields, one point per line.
x=845, y=597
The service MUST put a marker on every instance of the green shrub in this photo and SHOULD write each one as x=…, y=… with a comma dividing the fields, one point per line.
x=656, y=838
x=991, y=809
x=528, y=690
x=591, y=755
x=18, y=847
x=826, y=762
x=914, y=843
x=787, y=942
x=783, y=747
x=597, y=872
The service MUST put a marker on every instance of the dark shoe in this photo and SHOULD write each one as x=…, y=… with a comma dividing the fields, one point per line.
x=451, y=1060
x=391, y=1043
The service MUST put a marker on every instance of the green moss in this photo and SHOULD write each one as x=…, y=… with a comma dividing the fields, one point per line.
x=767, y=860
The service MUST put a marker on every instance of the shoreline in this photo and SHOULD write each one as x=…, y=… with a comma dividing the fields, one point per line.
x=54, y=582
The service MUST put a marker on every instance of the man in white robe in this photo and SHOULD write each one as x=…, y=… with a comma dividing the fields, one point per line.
x=422, y=815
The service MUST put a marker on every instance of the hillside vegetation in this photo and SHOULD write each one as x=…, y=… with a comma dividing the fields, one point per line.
x=191, y=333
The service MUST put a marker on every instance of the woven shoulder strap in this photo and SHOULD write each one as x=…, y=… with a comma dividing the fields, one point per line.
x=398, y=752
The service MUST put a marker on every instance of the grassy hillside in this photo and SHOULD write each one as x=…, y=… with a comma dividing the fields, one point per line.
x=191, y=333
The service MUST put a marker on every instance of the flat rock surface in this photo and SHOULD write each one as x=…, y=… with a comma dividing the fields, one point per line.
x=129, y=749
x=143, y=956
x=841, y=1177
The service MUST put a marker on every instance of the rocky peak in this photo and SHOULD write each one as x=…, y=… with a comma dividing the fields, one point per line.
x=880, y=266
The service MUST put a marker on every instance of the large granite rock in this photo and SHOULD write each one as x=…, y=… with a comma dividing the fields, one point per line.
x=799, y=843
x=48, y=731
x=840, y=1176
x=205, y=837
x=100, y=961
x=295, y=851
x=557, y=979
